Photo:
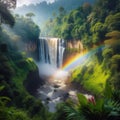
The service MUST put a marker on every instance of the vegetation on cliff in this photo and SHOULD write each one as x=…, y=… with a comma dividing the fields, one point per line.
x=88, y=23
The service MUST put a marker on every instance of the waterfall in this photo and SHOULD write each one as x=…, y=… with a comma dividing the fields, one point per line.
x=44, y=51
x=51, y=51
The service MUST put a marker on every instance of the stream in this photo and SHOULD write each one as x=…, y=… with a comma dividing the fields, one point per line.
x=57, y=87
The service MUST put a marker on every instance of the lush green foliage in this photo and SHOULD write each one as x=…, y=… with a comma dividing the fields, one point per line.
x=15, y=101
x=12, y=76
x=103, y=109
x=85, y=24
x=93, y=78
x=100, y=75
x=26, y=29
x=24, y=36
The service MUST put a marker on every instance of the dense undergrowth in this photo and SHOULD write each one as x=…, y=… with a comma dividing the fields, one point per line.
x=92, y=76
x=15, y=101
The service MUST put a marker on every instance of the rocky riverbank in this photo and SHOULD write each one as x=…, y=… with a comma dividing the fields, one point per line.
x=56, y=90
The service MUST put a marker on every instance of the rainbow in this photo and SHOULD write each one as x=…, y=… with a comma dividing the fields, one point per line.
x=79, y=59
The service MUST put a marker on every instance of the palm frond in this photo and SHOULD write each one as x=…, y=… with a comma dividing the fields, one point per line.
x=113, y=107
x=1, y=88
x=4, y=100
x=116, y=96
x=73, y=114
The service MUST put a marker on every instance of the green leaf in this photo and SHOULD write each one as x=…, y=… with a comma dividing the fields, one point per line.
x=1, y=88
x=108, y=91
x=73, y=114
x=82, y=99
x=4, y=100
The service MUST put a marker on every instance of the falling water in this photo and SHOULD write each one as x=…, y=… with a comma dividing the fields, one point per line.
x=51, y=51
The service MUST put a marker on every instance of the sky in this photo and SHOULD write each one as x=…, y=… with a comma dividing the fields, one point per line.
x=27, y=2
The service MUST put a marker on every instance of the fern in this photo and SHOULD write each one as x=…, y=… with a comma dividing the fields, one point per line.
x=116, y=96
x=113, y=108
x=1, y=88
x=104, y=109
x=3, y=99
x=73, y=114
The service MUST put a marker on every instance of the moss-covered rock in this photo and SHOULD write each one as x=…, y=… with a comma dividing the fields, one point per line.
x=33, y=81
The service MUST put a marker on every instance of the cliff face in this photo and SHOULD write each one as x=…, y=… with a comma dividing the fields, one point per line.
x=32, y=49
x=75, y=44
x=73, y=48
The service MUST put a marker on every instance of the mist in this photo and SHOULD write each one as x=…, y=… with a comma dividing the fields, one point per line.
x=28, y=2
x=47, y=70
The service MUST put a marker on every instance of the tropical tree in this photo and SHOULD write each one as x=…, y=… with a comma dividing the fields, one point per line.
x=61, y=11
x=30, y=15
x=5, y=15
x=113, y=22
